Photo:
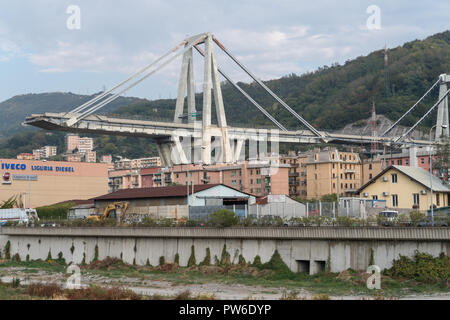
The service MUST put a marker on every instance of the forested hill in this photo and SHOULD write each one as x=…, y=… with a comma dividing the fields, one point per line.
x=334, y=96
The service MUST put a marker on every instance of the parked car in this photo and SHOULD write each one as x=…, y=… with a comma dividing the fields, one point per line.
x=389, y=216
x=440, y=220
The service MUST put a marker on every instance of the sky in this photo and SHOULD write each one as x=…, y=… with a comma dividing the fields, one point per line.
x=85, y=46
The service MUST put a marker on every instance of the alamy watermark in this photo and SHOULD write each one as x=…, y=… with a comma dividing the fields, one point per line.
x=74, y=280
x=374, y=281
x=208, y=147
x=73, y=22
x=374, y=20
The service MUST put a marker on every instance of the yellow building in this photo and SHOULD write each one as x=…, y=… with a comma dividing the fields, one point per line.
x=406, y=187
x=332, y=171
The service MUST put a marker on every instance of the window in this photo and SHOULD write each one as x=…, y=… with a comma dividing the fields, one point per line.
x=438, y=198
x=333, y=165
x=370, y=166
x=233, y=182
x=370, y=176
x=334, y=185
x=251, y=181
x=315, y=166
x=395, y=200
x=374, y=197
x=416, y=199
x=407, y=162
x=258, y=181
x=422, y=160
x=315, y=176
x=251, y=172
x=394, y=178
x=399, y=162
x=334, y=175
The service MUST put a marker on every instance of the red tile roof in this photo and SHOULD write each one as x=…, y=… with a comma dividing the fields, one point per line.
x=155, y=192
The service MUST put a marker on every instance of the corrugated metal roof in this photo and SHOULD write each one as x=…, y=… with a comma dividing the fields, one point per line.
x=423, y=177
x=155, y=192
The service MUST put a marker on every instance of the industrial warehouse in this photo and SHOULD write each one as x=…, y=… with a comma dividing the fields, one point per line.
x=41, y=183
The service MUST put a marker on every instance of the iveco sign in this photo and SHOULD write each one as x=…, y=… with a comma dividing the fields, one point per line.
x=14, y=166
x=22, y=167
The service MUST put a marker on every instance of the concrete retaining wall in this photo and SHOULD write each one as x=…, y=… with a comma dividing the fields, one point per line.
x=302, y=249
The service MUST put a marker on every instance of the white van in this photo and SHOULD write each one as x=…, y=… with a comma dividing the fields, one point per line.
x=18, y=215
x=390, y=215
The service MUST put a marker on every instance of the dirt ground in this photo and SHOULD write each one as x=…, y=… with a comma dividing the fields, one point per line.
x=165, y=288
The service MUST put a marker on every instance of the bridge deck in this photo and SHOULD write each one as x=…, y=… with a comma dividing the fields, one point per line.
x=164, y=130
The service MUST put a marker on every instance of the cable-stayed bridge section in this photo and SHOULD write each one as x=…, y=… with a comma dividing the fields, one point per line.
x=205, y=137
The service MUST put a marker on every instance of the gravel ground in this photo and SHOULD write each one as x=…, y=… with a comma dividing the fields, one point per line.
x=166, y=288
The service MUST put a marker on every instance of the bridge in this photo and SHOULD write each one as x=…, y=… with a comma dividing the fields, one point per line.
x=193, y=141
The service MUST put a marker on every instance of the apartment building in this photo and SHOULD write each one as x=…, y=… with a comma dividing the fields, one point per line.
x=332, y=171
x=297, y=173
x=80, y=149
x=44, y=152
x=138, y=163
x=252, y=177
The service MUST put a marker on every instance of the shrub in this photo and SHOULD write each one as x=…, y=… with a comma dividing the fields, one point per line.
x=162, y=261
x=207, y=260
x=8, y=250
x=44, y=290
x=191, y=261
x=223, y=218
x=422, y=267
x=416, y=217
x=98, y=293
x=225, y=258
x=277, y=264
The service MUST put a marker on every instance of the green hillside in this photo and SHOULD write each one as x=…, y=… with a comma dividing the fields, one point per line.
x=329, y=98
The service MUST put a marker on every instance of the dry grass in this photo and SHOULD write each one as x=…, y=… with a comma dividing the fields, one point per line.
x=44, y=290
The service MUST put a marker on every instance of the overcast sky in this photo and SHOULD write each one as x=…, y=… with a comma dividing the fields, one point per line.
x=39, y=53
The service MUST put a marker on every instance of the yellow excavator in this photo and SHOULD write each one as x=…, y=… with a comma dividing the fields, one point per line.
x=111, y=212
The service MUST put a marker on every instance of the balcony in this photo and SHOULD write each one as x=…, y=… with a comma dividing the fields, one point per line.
x=294, y=174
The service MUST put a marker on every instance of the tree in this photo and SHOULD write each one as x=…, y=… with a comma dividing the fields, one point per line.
x=329, y=197
x=223, y=218
x=442, y=160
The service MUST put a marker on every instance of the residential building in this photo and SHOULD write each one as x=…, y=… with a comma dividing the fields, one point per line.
x=251, y=177
x=138, y=163
x=25, y=156
x=71, y=142
x=297, y=173
x=80, y=149
x=331, y=171
x=44, y=152
x=106, y=159
x=406, y=187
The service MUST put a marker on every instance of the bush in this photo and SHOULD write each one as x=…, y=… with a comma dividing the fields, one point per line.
x=416, y=217
x=422, y=267
x=55, y=211
x=223, y=218
x=44, y=290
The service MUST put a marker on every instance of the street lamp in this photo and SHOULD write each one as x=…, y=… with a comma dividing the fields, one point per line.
x=444, y=126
